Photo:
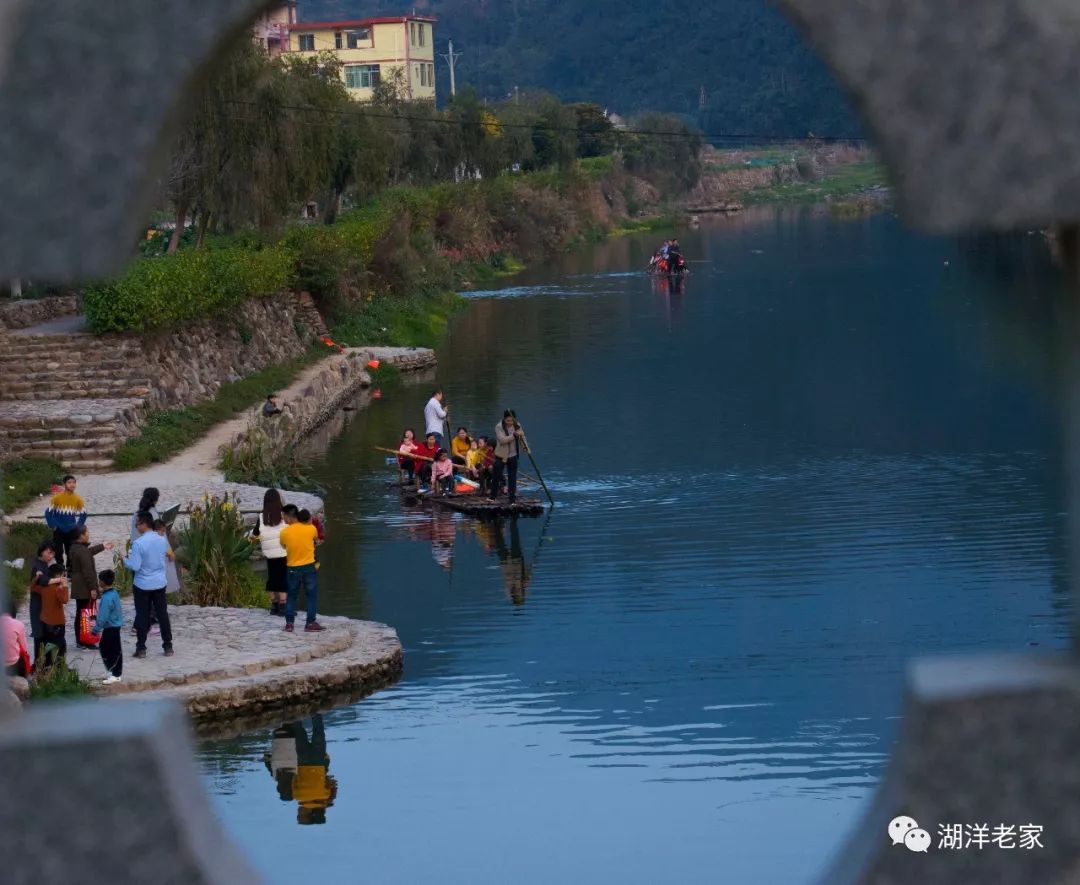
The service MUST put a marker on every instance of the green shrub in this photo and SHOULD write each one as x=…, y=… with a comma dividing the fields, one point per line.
x=266, y=456
x=216, y=549
x=25, y=478
x=322, y=262
x=414, y=321
x=58, y=681
x=191, y=284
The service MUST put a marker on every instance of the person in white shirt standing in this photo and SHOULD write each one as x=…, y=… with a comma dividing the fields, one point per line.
x=268, y=531
x=434, y=416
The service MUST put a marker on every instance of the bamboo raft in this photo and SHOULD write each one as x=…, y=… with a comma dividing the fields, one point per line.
x=469, y=503
x=482, y=508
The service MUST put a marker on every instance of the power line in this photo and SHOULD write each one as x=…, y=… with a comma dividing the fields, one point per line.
x=450, y=121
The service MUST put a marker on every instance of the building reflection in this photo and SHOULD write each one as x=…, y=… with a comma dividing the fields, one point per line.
x=300, y=766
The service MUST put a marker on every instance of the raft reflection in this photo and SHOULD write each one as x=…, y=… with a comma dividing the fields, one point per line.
x=300, y=767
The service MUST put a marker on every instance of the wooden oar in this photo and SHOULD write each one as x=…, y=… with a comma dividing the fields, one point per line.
x=532, y=460
x=401, y=454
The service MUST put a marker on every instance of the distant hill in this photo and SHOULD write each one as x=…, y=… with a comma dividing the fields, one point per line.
x=632, y=55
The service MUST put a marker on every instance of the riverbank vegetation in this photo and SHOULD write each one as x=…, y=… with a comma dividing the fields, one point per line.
x=215, y=548
x=839, y=182
x=402, y=199
x=170, y=431
x=25, y=479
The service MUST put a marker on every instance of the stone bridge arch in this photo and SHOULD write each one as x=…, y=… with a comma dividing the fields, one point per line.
x=973, y=106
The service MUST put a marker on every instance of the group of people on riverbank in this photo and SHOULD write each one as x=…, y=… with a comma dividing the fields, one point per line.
x=483, y=462
x=668, y=259
x=64, y=570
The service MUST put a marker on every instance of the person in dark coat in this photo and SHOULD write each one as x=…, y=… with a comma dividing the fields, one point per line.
x=84, y=576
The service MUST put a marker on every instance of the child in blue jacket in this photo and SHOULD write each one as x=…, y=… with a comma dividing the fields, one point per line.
x=110, y=619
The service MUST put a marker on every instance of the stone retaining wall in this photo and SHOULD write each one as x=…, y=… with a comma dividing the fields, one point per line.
x=192, y=362
x=30, y=311
x=322, y=391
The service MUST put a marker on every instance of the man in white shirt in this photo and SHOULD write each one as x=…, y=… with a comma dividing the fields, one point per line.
x=434, y=416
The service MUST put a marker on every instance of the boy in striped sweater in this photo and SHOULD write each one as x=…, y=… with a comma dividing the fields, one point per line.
x=65, y=515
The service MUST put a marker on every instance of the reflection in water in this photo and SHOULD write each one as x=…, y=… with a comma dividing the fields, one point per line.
x=516, y=574
x=300, y=767
x=670, y=289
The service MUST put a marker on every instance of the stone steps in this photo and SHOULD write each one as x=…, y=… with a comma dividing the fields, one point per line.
x=29, y=392
x=60, y=375
x=79, y=432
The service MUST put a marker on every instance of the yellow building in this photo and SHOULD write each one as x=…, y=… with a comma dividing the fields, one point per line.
x=271, y=29
x=371, y=48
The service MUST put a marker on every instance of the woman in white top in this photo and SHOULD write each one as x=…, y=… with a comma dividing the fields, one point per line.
x=268, y=531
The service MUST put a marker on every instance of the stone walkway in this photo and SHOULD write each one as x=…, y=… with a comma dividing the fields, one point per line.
x=229, y=660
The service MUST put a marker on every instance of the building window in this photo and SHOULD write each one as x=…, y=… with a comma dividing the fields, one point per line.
x=337, y=39
x=361, y=76
x=361, y=35
x=307, y=42
x=421, y=27
x=412, y=33
x=431, y=75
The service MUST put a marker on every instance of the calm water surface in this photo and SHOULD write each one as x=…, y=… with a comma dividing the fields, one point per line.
x=832, y=451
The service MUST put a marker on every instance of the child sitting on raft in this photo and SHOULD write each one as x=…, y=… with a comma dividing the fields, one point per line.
x=407, y=466
x=442, y=473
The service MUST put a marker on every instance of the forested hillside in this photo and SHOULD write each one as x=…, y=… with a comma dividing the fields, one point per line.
x=633, y=55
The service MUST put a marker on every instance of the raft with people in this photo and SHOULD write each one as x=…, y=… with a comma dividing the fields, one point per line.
x=668, y=260
x=475, y=476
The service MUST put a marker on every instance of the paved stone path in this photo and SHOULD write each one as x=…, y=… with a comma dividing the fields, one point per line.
x=228, y=660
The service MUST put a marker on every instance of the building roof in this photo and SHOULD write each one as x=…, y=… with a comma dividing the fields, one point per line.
x=360, y=23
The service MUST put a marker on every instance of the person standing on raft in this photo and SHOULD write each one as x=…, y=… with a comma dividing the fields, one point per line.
x=434, y=416
x=508, y=435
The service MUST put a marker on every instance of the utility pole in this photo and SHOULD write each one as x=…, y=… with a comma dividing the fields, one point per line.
x=451, y=57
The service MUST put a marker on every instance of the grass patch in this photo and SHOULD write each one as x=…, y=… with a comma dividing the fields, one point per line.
x=841, y=181
x=413, y=321
x=664, y=222
x=21, y=541
x=26, y=478
x=250, y=592
x=59, y=681
x=172, y=430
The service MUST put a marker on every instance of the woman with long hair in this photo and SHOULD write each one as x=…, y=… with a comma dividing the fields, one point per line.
x=508, y=435
x=268, y=531
x=148, y=503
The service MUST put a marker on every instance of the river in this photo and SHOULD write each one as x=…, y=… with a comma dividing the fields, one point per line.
x=833, y=450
